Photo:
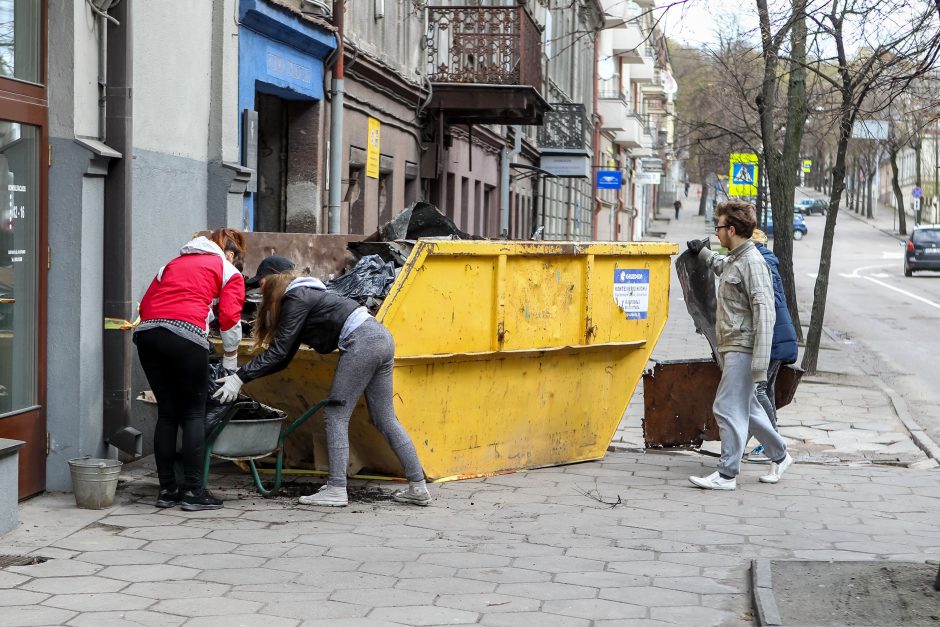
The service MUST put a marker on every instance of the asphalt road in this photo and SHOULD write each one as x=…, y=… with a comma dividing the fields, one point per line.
x=897, y=319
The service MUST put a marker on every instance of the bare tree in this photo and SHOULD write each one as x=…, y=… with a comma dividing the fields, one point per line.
x=900, y=41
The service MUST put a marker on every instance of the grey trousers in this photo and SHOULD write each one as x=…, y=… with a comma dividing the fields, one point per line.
x=765, y=391
x=738, y=413
x=365, y=365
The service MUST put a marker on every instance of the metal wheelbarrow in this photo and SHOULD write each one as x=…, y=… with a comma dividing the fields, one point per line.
x=248, y=440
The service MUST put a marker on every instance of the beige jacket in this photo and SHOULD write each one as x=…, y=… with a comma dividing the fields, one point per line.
x=746, y=315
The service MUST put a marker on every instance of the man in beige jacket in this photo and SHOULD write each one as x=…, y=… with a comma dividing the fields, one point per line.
x=744, y=326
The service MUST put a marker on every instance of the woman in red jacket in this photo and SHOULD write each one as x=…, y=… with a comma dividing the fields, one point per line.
x=172, y=343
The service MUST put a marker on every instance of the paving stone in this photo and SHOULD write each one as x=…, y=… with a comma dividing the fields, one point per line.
x=547, y=590
x=125, y=619
x=610, y=554
x=194, y=546
x=239, y=620
x=515, y=619
x=120, y=558
x=20, y=597
x=383, y=597
x=175, y=589
x=366, y=553
x=176, y=532
x=650, y=596
x=144, y=520
x=240, y=576
x=594, y=609
x=28, y=615
x=421, y=615
x=52, y=568
x=217, y=561
x=265, y=550
x=698, y=585
x=518, y=549
x=98, y=602
x=148, y=572
x=504, y=575
x=488, y=603
x=74, y=585
x=329, y=581
x=317, y=610
x=412, y=570
x=349, y=622
x=311, y=564
x=206, y=606
x=653, y=568
x=97, y=540
x=254, y=536
x=446, y=585
x=602, y=579
x=559, y=564
x=693, y=615
x=10, y=580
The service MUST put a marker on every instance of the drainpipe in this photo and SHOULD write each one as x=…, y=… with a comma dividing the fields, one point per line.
x=118, y=201
x=336, y=123
x=507, y=158
x=596, y=161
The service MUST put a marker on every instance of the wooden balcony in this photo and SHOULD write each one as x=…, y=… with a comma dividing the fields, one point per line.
x=485, y=65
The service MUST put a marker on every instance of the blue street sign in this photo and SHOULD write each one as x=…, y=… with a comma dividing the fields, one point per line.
x=917, y=192
x=743, y=174
x=609, y=179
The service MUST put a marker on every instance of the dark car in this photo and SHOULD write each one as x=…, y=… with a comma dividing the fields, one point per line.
x=799, y=226
x=809, y=206
x=922, y=250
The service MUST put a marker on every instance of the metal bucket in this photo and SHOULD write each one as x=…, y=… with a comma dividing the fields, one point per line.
x=248, y=438
x=94, y=481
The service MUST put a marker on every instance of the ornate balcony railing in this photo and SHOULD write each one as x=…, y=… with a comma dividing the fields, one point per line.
x=565, y=126
x=484, y=45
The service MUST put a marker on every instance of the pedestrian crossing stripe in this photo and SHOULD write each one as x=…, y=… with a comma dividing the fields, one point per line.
x=743, y=174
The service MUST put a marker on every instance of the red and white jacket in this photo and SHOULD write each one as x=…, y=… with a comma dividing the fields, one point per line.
x=190, y=286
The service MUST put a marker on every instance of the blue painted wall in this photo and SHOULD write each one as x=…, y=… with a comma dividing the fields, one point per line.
x=278, y=54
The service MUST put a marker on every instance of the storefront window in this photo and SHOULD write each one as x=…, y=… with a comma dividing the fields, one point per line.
x=19, y=212
x=20, y=39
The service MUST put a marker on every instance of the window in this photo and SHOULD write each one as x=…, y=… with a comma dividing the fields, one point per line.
x=19, y=231
x=20, y=39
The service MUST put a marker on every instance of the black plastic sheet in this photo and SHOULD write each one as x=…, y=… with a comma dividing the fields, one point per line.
x=698, y=290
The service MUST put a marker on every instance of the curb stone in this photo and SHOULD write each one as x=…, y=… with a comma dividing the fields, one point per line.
x=762, y=587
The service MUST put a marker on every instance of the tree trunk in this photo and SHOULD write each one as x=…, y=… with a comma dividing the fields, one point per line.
x=898, y=196
x=782, y=165
x=703, y=198
x=821, y=289
x=870, y=195
x=917, y=145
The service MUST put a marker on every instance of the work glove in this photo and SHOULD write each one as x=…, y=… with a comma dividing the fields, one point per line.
x=228, y=391
x=696, y=245
x=230, y=363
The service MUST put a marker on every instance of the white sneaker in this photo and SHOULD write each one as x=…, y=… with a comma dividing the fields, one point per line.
x=328, y=495
x=416, y=494
x=777, y=470
x=714, y=481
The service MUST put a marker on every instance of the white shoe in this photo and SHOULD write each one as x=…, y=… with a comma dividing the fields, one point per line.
x=416, y=494
x=328, y=495
x=714, y=481
x=777, y=470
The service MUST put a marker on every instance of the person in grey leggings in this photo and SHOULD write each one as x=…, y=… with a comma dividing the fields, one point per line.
x=298, y=310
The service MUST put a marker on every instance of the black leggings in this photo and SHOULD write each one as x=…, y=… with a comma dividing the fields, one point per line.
x=178, y=372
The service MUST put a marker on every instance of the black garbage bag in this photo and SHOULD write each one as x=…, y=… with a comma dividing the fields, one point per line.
x=215, y=411
x=370, y=277
x=698, y=290
x=422, y=219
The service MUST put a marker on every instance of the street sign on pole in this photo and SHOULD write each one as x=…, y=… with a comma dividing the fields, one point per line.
x=609, y=179
x=807, y=165
x=742, y=179
x=917, y=193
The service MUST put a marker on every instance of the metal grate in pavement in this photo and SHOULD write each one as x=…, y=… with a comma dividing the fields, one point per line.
x=21, y=560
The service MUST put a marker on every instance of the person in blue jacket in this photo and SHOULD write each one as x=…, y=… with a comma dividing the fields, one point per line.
x=783, y=349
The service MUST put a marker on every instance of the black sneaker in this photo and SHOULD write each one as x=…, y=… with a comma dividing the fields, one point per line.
x=169, y=498
x=194, y=501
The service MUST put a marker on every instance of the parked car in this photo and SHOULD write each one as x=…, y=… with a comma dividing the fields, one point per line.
x=809, y=206
x=799, y=226
x=922, y=249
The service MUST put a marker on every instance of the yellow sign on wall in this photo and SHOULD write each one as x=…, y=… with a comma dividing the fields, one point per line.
x=742, y=180
x=372, y=148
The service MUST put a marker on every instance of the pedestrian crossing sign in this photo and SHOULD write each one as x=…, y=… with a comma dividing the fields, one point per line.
x=743, y=176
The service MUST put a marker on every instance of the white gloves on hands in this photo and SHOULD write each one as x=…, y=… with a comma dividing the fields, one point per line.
x=230, y=363
x=231, y=385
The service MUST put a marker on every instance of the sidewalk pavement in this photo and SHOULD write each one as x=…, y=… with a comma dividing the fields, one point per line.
x=626, y=540
x=841, y=414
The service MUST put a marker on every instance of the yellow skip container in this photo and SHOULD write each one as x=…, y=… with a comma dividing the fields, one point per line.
x=509, y=355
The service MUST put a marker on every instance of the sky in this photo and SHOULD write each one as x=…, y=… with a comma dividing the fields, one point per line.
x=696, y=22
